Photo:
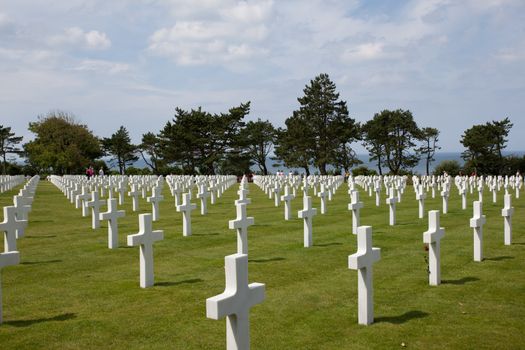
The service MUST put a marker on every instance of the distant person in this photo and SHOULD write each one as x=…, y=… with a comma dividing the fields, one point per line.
x=101, y=172
x=90, y=172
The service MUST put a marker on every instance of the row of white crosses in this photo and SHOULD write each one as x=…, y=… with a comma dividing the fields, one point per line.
x=8, y=182
x=146, y=236
x=13, y=225
x=238, y=296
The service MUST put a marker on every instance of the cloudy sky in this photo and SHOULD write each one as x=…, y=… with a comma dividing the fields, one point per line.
x=131, y=62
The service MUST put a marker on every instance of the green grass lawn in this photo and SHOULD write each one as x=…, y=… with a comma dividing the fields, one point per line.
x=71, y=292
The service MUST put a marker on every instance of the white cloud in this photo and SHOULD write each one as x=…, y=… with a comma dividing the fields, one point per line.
x=76, y=36
x=221, y=33
x=101, y=66
x=367, y=51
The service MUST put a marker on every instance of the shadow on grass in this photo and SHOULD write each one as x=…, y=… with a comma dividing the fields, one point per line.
x=206, y=234
x=327, y=244
x=499, y=258
x=407, y=316
x=170, y=284
x=43, y=236
x=518, y=243
x=460, y=281
x=278, y=258
x=40, y=262
x=27, y=323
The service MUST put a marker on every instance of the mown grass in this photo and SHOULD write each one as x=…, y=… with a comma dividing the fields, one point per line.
x=72, y=292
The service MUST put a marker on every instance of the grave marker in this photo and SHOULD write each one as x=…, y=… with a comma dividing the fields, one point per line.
x=241, y=224
x=362, y=261
x=477, y=222
x=355, y=207
x=7, y=259
x=186, y=207
x=307, y=214
x=145, y=238
x=112, y=216
x=507, y=213
x=235, y=302
x=432, y=237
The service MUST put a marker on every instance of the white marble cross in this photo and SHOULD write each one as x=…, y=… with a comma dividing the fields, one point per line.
x=277, y=194
x=307, y=214
x=391, y=201
x=420, y=197
x=243, y=195
x=463, y=194
x=21, y=210
x=362, y=261
x=377, y=189
x=10, y=226
x=287, y=199
x=355, y=207
x=7, y=259
x=477, y=222
x=213, y=192
x=95, y=203
x=81, y=199
x=480, y=191
x=112, y=216
x=203, y=195
x=241, y=224
x=445, y=194
x=134, y=194
x=235, y=302
x=186, y=207
x=507, y=213
x=432, y=237
x=145, y=238
x=323, y=194
x=121, y=189
x=155, y=199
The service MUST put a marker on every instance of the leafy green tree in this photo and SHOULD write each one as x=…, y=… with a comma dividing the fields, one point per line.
x=151, y=146
x=199, y=141
x=258, y=138
x=328, y=128
x=390, y=138
x=484, y=144
x=451, y=167
x=119, y=146
x=375, y=136
x=8, y=144
x=429, y=136
x=61, y=145
x=293, y=146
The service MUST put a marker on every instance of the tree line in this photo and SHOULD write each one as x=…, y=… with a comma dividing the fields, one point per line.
x=319, y=134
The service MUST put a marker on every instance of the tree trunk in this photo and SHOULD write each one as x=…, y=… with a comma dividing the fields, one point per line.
x=306, y=170
x=322, y=168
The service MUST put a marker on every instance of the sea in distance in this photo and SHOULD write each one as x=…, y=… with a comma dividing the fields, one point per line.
x=420, y=168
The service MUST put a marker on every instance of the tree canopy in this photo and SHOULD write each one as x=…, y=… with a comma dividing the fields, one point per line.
x=199, y=141
x=484, y=144
x=326, y=127
x=8, y=145
x=390, y=138
x=120, y=148
x=61, y=144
